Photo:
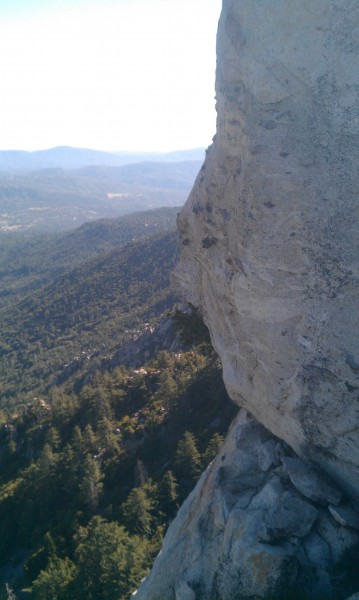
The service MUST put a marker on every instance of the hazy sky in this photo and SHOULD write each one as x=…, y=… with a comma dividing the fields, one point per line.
x=107, y=74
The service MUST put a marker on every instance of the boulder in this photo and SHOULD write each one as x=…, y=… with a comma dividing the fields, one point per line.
x=311, y=483
x=289, y=517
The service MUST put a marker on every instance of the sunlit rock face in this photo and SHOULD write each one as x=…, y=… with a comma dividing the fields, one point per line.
x=270, y=232
x=269, y=253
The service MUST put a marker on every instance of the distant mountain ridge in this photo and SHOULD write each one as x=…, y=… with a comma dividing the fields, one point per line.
x=67, y=157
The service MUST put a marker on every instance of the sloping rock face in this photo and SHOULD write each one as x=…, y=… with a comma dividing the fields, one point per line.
x=250, y=529
x=270, y=231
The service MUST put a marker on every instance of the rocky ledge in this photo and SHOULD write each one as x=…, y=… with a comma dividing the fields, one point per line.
x=260, y=523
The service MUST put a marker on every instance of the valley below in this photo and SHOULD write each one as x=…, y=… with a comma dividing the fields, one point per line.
x=111, y=403
x=55, y=199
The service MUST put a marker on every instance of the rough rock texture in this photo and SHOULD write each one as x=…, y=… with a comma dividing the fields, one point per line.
x=270, y=231
x=247, y=532
x=269, y=253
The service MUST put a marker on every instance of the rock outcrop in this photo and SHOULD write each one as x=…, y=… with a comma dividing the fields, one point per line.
x=270, y=232
x=250, y=529
x=269, y=254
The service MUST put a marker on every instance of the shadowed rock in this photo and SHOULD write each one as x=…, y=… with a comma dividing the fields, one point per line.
x=311, y=483
x=245, y=533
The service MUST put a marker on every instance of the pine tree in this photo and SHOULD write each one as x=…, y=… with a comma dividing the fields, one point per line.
x=77, y=443
x=97, y=403
x=52, y=583
x=137, y=511
x=91, y=484
x=90, y=440
x=53, y=439
x=167, y=388
x=168, y=493
x=46, y=462
x=110, y=564
x=109, y=440
x=39, y=560
x=188, y=458
x=213, y=448
x=69, y=471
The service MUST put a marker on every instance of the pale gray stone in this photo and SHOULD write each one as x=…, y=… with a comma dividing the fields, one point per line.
x=252, y=546
x=273, y=259
x=184, y=592
x=270, y=256
x=269, y=495
x=311, y=483
x=289, y=516
x=268, y=454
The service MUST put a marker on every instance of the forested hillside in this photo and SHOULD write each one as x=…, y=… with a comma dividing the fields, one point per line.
x=28, y=260
x=90, y=480
x=82, y=316
x=96, y=454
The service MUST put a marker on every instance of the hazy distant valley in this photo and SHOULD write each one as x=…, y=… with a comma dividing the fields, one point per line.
x=72, y=284
x=37, y=194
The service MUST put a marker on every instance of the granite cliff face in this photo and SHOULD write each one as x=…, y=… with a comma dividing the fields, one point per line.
x=270, y=232
x=269, y=239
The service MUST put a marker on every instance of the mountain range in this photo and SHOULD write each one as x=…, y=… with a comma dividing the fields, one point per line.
x=67, y=157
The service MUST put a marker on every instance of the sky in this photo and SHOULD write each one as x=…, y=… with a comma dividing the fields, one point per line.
x=107, y=74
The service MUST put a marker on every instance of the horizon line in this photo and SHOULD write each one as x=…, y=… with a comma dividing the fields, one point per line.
x=104, y=151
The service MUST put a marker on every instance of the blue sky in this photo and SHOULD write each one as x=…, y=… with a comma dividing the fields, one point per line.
x=110, y=74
